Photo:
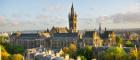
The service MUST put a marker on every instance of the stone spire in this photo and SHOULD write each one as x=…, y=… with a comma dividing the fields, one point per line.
x=72, y=20
x=100, y=28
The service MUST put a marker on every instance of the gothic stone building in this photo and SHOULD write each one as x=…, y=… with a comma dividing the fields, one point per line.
x=92, y=38
x=61, y=37
x=28, y=40
x=61, y=40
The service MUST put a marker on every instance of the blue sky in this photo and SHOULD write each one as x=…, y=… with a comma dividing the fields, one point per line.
x=42, y=14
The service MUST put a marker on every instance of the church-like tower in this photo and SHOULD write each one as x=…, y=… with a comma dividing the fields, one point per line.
x=72, y=20
x=100, y=28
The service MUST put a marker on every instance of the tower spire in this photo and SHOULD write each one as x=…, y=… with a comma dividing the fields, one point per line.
x=72, y=5
x=72, y=20
x=100, y=28
x=72, y=9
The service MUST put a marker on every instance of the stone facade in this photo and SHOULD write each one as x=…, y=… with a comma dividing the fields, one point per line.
x=92, y=38
x=60, y=40
x=28, y=40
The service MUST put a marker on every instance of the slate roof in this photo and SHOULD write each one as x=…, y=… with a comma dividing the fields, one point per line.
x=29, y=36
x=59, y=30
x=105, y=34
x=89, y=33
x=65, y=35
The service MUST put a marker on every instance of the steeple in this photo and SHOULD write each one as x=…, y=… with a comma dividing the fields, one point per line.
x=72, y=9
x=105, y=29
x=72, y=20
x=100, y=28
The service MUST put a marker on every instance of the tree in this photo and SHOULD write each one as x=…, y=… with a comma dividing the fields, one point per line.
x=73, y=47
x=129, y=44
x=119, y=41
x=66, y=50
x=113, y=53
x=83, y=58
x=71, y=50
x=133, y=54
x=3, y=39
x=87, y=52
x=19, y=49
x=4, y=54
x=138, y=54
x=14, y=49
x=80, y=52
x=17, y=57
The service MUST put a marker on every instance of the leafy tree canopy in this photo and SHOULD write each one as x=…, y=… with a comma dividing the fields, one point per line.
x=113, y=53
x=129, y=44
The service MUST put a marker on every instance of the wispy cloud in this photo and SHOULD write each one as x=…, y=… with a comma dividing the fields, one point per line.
x=3, y=21
x=53, y=8
x=128, y=15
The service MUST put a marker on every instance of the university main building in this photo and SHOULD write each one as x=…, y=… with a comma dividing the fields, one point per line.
x=57, y=37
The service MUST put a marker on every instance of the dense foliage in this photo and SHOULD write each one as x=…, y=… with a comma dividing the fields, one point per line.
x=9, y=51
x=14, y=49
x=129, y=44
x=113, y=53
x=86, y=53
x=71, y=50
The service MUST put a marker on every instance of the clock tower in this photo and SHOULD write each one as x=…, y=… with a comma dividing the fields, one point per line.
x=72, y=20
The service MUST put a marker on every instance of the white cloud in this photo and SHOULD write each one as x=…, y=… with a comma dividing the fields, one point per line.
x=131, y=8
x=54, y=8
x=128, y=18
x=131, y=14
